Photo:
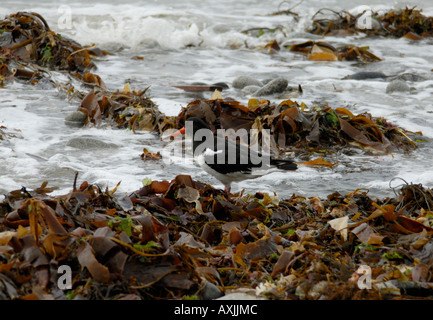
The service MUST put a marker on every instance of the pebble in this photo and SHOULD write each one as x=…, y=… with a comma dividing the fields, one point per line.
x=76, y=119
x=250, y=89
x=363, y=75
x=410, y=77
x=222, y=85
x=211, y=291
x=275, y=86
x=89, y=143
x=243, y=81
x=397, y=86
x=240, y=296
x=267, y=80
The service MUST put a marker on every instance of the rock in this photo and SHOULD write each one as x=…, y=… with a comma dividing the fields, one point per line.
x=250, y=89
x=89, y=143
x=363, y=75
x=397, y=86
x=267, y=80
x=222, y=85
x=240, y=296
x=275, y=86
x=243, y=81
x=410, y=77
x=211, y=291
x=76, y=119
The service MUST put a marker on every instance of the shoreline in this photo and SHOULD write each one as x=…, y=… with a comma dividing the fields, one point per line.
x=183, y=239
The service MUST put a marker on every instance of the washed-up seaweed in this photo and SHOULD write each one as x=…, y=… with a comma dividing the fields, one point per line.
x=177, y=239
x=323, y=51
x=28, y=45
x=295, y=126
x=407, y=22
x=288, y=11
x=125, y=108
x=6, y=133
x=30, y=50
x=260, y=31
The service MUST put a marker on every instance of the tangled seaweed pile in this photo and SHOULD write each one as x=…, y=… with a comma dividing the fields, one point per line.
x=30, y=50
x=323, y=51
x=184, y=239
x=409, y=23
x=294, y=126
x=127, y=109
x=29, y=47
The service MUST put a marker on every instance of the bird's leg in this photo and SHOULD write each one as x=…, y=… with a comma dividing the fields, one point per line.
x=227, y=189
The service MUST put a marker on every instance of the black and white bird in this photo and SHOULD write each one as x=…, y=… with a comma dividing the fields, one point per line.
x=227, y=160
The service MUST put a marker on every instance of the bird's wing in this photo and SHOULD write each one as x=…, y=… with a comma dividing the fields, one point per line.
x=229, y=156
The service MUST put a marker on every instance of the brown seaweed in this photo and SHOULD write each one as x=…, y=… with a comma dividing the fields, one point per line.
x=407, y=22
x=29, y=49
x=295, y=126
x=323, y=51
x=163, y=247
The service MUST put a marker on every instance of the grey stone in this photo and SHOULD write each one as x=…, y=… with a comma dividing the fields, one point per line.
x=266, y=81
x=222, y=85
x=211, y=291
x=397, y=86
x=363, y=75
x=275, y=86
x=410, y=77
x=240, y=296
x=250, y=89
x=89, y=143
x=243, y=81
x=76, y=119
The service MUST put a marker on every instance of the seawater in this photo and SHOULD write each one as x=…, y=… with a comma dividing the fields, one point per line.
x=203, y=41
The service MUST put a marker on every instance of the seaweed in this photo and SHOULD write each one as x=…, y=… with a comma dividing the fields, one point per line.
x=294, y=126
x=125, y=109
x=26, y=38
x=184, y=239
x=407, y=22
x=326, y=52
x=30, y=50
x=174, y=239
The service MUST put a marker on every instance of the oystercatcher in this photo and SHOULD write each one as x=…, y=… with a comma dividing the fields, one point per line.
x=227, y=160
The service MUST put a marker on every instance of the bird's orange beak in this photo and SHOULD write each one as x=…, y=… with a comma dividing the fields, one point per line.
x=178, y=132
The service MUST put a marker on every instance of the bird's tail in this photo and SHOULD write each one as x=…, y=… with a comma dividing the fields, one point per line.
x=284, y=164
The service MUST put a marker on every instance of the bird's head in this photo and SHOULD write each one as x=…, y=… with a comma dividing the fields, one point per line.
x=197, y=124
